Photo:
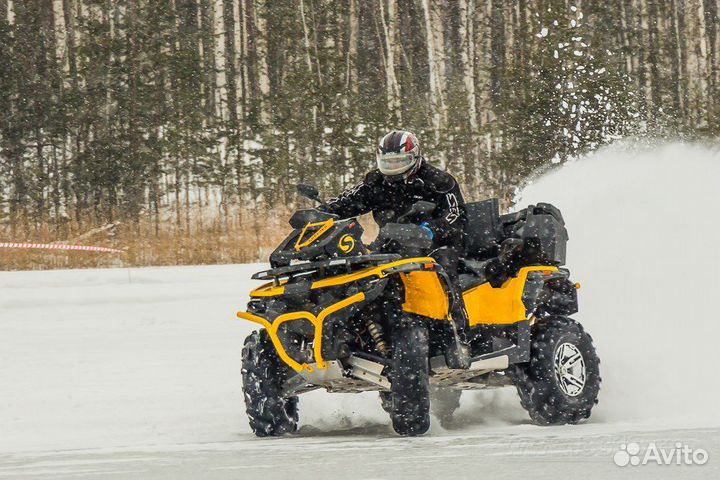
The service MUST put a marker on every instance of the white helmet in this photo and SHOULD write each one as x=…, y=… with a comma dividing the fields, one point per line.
x=398, y=155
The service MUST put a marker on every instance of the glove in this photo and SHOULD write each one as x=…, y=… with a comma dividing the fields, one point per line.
x=426, y=226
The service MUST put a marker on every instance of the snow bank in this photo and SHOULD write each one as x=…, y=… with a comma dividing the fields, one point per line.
x=644, y=235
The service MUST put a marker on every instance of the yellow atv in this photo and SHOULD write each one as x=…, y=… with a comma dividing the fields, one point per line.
x=337, y=316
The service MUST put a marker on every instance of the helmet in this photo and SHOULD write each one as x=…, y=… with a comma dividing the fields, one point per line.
x=398, y=155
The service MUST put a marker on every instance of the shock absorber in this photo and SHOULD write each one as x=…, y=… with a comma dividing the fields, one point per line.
x=376, y=333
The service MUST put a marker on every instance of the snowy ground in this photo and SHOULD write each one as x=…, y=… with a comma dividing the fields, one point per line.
x=135, y=373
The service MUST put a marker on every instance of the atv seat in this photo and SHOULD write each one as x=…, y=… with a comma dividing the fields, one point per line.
x=467, y=281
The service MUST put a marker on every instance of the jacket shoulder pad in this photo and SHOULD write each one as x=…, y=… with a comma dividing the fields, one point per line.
x=438, y=180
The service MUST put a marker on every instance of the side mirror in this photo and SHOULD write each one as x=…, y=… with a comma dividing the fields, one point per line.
x=309, y=191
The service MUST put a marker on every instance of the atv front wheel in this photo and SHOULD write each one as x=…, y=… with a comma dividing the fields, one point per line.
x=263, y=373
x=561, y=382
x=410, y=412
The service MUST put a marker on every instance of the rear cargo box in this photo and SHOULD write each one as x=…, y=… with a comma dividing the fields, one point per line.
x=542, y=227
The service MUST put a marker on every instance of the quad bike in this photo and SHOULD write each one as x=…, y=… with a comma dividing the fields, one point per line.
x=341, y=316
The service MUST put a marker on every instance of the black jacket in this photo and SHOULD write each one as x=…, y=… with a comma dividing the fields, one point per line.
x=387, y=201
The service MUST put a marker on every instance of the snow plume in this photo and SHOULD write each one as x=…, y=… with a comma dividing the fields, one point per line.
x=582, y=100
x=644, y=233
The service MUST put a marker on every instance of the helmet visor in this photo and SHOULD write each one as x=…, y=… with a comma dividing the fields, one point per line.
x=395, y=163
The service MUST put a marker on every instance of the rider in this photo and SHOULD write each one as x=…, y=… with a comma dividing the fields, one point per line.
x=404, y=177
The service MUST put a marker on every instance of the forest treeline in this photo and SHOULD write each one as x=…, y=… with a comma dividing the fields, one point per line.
x=180, y=114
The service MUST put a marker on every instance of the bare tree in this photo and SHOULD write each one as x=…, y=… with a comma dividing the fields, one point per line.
x=434, y=38
x=351, y=76
x=467, y=55
x=392, y=88
x=218, y=30
x=263, y=75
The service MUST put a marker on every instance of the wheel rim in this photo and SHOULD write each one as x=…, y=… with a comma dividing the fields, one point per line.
x=570, y=369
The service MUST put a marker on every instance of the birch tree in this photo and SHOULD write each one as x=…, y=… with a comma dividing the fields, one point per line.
x=237, y=61
x=351, y=76
x=467, y=55
x=260, y=12
x=435, y=48
x=389, y=25
x=218, y=30
x=61, y=56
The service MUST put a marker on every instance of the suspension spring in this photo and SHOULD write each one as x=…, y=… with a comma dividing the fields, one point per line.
x=376, y=333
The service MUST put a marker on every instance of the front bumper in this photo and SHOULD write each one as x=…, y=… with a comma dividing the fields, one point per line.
x=316, y=320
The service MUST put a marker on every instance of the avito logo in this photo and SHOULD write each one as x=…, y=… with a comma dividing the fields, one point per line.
x=680, y=454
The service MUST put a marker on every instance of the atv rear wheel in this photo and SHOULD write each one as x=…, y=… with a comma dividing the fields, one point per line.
x=410, y=412
x=263, y=373
x=561, y=382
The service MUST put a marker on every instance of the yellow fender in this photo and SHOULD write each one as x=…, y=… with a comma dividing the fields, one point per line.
x=425, y=295
x=500, y=306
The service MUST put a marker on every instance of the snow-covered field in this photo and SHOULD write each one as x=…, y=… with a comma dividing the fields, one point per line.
x=136, y=373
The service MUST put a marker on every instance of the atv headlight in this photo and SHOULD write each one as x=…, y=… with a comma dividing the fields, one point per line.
x=256, y=306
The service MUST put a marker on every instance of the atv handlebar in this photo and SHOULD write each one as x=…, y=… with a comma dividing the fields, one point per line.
x=404, y=237
x=419, y=211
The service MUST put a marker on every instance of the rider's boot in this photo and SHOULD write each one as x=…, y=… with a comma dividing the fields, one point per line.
x=457, y=353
